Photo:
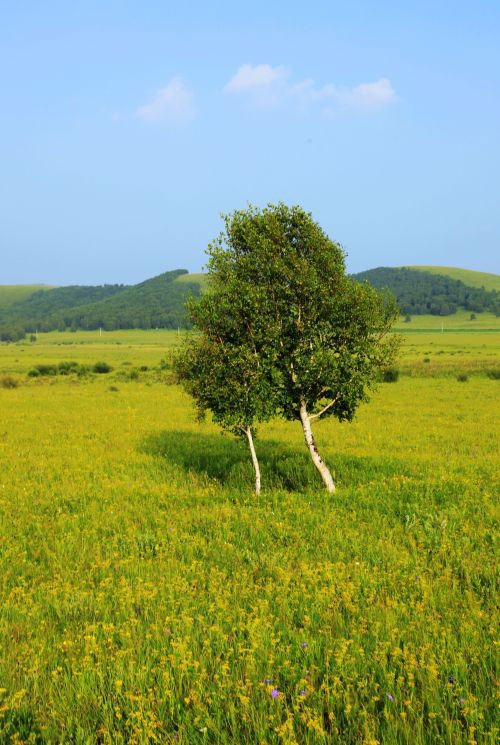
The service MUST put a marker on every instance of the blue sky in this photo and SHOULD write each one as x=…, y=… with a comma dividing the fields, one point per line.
x=126, y=128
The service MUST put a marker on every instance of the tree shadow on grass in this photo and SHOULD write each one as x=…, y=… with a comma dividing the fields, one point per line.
x=226, y=461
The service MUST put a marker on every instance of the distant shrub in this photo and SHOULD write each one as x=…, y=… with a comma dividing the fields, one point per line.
x=7, y=381
x=143, y=368
x=46, y=369
x=32, y=337
x=102, y=367
x=83, y=370
x=494, y=374
x=113, y=388
x=65, y=368
x=408, y=318
x=462, y=378
x=33, y=373
x=472, y=317
x=126, y=363
x=427, y=359
x=133, y=374
x=164, y=365
x=390, y=375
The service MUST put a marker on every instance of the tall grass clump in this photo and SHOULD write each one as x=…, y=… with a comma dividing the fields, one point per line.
x=390, y=375
x=8, y=381
x=101, y=367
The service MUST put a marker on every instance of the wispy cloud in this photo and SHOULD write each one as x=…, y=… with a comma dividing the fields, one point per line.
x=250, y=78
x=173, y=104
x=263, y=85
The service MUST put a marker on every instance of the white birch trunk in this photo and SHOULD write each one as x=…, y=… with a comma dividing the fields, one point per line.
x=254, y=461
x=313, y=450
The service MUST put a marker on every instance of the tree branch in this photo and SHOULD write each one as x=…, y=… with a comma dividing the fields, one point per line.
x=325, y=408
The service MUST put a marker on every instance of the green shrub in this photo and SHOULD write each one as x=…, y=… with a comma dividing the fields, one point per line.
x=113, y=388
x=143, y=368
x=390, y=375
x=83, y=370
x=133, y=375
x=102, y=367
x=494, y=374
x=65, y=368
x=462, y=378
x=33, y=373
x=7, y=381
x=46, y=369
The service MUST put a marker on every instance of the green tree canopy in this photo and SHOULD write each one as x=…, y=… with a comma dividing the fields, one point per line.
x=283, y=309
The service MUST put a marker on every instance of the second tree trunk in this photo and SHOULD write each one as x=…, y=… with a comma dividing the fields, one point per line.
x=313, y=450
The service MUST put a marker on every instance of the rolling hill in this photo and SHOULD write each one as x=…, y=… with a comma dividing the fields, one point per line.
x=10, y=294
x=160, y=302
x=201, y=279
x=154, y=303
x=467, y=276
x=421, y=293
x=42, y=305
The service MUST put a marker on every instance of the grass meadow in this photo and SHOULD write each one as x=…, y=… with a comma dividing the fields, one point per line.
x=146, y=596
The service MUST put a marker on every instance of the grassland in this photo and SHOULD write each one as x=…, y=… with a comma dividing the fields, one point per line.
x=10, y=294
x=459, y=321
x=147, y=597
x=200, y=278
x=467, y=276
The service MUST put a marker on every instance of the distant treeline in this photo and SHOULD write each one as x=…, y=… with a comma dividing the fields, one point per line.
x=422, y=293
x=155, y=303
x=159, y=302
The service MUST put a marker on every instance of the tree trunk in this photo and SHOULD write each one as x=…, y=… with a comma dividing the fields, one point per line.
x=254, y=461
x=316, y=458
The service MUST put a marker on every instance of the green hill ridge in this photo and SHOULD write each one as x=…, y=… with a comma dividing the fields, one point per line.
x=420, y=293
x=11, y=294
x=159, y=302
x=469, y=277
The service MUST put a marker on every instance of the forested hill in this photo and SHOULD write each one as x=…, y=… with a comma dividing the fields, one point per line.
x=160, y=302
x=44, y=304
x=154, y=303
x=419, y=292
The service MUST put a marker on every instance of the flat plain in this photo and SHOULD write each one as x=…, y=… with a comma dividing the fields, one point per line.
x=146, y=596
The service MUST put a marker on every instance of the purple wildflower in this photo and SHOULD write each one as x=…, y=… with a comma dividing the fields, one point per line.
x=267, y=681
x=391, y=698
x=451, y=679
x=275, y=693
x=302, y=693
x=305, y=644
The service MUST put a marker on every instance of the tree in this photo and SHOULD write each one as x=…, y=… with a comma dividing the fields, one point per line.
x=321, y=339
x=222, y=369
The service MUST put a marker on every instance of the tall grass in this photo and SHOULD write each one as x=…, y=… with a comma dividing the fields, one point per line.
x=146, y=596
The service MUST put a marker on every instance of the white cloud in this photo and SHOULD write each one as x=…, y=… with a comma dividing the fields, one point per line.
x=372, y=95
x=174, y=104
x=265, y=85
x=250, y=78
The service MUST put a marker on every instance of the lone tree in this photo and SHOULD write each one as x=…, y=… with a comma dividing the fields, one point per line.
x=284, y=329
x=222, y=369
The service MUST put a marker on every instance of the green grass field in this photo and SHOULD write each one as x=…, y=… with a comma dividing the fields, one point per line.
x=200, y=278
x=146, y=596
x=467, y=276
x=461, y=320
x=10, y=294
